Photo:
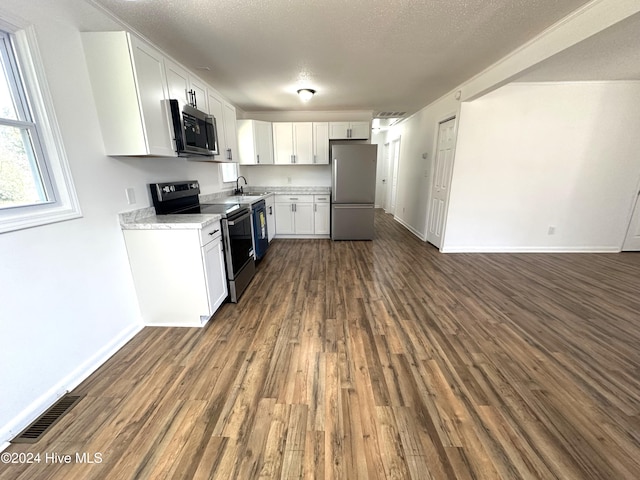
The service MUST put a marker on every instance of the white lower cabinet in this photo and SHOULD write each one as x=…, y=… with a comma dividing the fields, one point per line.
x=303, y=218
x=285, y=223
x=321, y=215
x=271, y=216
x=294, y=214
x=215, y=273
x=179, y=274
x=302, y=215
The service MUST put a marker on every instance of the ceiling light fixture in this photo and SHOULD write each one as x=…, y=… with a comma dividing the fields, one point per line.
x=306, y=94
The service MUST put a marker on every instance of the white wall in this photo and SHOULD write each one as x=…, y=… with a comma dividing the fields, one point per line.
x=530, y=156
x=66, y=294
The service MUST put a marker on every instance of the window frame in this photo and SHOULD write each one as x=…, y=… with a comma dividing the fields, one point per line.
x=222, y=176
x=62, y=203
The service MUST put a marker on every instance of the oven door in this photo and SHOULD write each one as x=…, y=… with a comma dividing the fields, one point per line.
x=239, y=239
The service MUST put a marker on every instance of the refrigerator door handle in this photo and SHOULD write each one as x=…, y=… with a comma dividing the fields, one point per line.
x=334, y=166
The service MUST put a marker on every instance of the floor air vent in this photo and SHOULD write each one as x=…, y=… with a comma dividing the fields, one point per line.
x=48, y=419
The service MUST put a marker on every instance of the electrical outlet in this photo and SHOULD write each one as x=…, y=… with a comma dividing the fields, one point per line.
x=552, y=230
x=131, y=195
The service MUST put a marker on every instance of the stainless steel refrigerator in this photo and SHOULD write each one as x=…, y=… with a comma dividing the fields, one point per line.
x=353, y=191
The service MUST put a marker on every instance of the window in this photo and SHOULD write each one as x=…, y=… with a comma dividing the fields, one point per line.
x=24, y=179
x=229, y=172
x=35, y=183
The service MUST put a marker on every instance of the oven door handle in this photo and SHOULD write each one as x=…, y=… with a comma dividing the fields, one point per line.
x=235, y=220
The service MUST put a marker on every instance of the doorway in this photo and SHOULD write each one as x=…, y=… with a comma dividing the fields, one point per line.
x=443, y=169
x=393, y=160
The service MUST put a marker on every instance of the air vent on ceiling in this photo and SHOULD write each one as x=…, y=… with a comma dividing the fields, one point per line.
x=48, y=419
x=389, y=114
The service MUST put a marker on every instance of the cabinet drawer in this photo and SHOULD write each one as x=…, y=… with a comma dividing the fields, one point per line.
x=294, y=198
x=322, y=198
x=210, y=232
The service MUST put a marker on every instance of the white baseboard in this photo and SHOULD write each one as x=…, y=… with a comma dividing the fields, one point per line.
x=410, y=228
x=71, y=381
x=512, y=249
x=304, y=237
x=4, y=446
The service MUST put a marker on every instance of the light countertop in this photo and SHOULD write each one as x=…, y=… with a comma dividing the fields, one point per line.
x=146, y=219
x=172, y=222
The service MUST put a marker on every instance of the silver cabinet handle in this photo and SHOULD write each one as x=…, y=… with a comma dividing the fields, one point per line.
x=315, y=207
x=214, y=232
x=293, y=198
x=229, y=154
x=314, y=158
x=270, y=210
x=258, y=157
x=292, y=160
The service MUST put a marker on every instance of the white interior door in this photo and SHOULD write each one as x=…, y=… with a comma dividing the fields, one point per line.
x=632, y=241
x=440, y=182
x=394, y=157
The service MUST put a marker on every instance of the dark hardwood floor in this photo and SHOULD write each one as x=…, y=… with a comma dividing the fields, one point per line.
x=374, y=360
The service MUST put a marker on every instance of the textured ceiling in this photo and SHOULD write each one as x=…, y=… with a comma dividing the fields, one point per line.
x=376, y=55
x=613, y=54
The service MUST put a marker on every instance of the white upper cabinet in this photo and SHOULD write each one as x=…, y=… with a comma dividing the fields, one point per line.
x=225, y=116
x=349, y=130
x=255, y=142
x=293, y=143
x=130, y=89
x=321, y=143
x=185, y=88
x=229, y=120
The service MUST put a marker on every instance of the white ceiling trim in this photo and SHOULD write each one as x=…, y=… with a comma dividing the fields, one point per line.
x=576, y=27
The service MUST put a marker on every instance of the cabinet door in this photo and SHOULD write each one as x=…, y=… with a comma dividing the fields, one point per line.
x=284, y=218
x=304, y=218
x=338, y=130
x=199, y=90
x=230, y=133
x=178, y=82
x=321, y=143
x=359, y=130
x=215, y=273
x=246, y=142
x=303, y=142
x=321, y=218
x=283, y=150
x=271, y=217
x=151, y=86
x=216, y=109
x=264, y=142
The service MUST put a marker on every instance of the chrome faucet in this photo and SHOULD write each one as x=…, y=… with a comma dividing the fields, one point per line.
x=238, y=186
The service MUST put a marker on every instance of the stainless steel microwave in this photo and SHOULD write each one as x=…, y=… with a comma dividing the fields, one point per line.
x=194, y=131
